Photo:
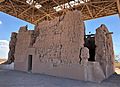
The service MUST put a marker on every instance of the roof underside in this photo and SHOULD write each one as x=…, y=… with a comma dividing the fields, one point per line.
x=35, y=11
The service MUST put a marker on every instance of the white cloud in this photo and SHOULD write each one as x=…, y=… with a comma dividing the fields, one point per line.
x=0, y=22
x=4, y=48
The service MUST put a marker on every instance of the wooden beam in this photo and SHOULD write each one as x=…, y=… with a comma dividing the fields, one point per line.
x=33, y=6
x=82, y=8
x=25, y=11
x=45, y=13
x=58, y=4
x=41, y=2
x=89, y=11
x=33, y=12
x=98, y=2
x=95, y=6
x=104, y=9
x=32, y=18
x=13, y=7
x=69, y=5
x=118, y=6
x=21, y=1
x=39, y=19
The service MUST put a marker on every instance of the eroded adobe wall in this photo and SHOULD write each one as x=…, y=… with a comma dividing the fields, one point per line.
x=24, y=41
x=57, y=48
x=61, y=39
x=12, y=45
x=60, y=49
x=104, y=50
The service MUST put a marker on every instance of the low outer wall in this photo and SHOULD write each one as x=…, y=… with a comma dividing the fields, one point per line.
x=90, y=72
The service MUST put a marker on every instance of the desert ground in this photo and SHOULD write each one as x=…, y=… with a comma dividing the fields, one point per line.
x=117, y=67
x=12, y=78
x=117, y=70
x=2, y=60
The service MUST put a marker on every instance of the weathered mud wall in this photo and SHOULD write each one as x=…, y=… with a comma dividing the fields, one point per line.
x=57, y=48
x=12, y=45
x=61, y=39
x=104, y=50
x=24, y=41
x=60, y=49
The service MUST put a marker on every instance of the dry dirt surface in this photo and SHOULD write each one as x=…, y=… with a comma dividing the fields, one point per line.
x=9, y=78
x=117, y=70
x=2, y=60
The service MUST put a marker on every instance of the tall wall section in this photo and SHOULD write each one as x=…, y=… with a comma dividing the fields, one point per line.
x=12, y=45
x=104, y=50
x=60, y=39
x=24, y=40
x=60, y=51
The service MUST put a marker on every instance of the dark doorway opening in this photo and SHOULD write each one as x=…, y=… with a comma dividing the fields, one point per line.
x=29, y=62
x=90, y=44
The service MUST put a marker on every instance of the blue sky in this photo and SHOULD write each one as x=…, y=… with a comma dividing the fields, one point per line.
x=10, y=24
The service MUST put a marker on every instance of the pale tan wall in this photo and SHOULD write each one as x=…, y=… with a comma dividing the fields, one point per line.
x=104, y=50
x=95, y=72
x=90, y=72
x=61, y=39
x=57, y=50
x=58, y=44
x=21, y=50
x=73, y=71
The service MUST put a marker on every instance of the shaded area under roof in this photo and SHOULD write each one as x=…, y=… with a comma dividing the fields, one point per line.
x=35, y=11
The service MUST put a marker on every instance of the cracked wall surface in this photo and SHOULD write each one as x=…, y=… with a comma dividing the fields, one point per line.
x=12, y=45
x=104, y=50
x=24, y=41
x=59, y=48
x=60, y=40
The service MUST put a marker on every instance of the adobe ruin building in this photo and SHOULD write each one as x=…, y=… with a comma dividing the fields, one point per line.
x=60, y=48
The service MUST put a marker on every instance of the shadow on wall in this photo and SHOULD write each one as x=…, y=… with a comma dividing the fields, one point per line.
x=90, y=44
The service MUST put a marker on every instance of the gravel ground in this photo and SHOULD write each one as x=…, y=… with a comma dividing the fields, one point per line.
x=9, y=78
